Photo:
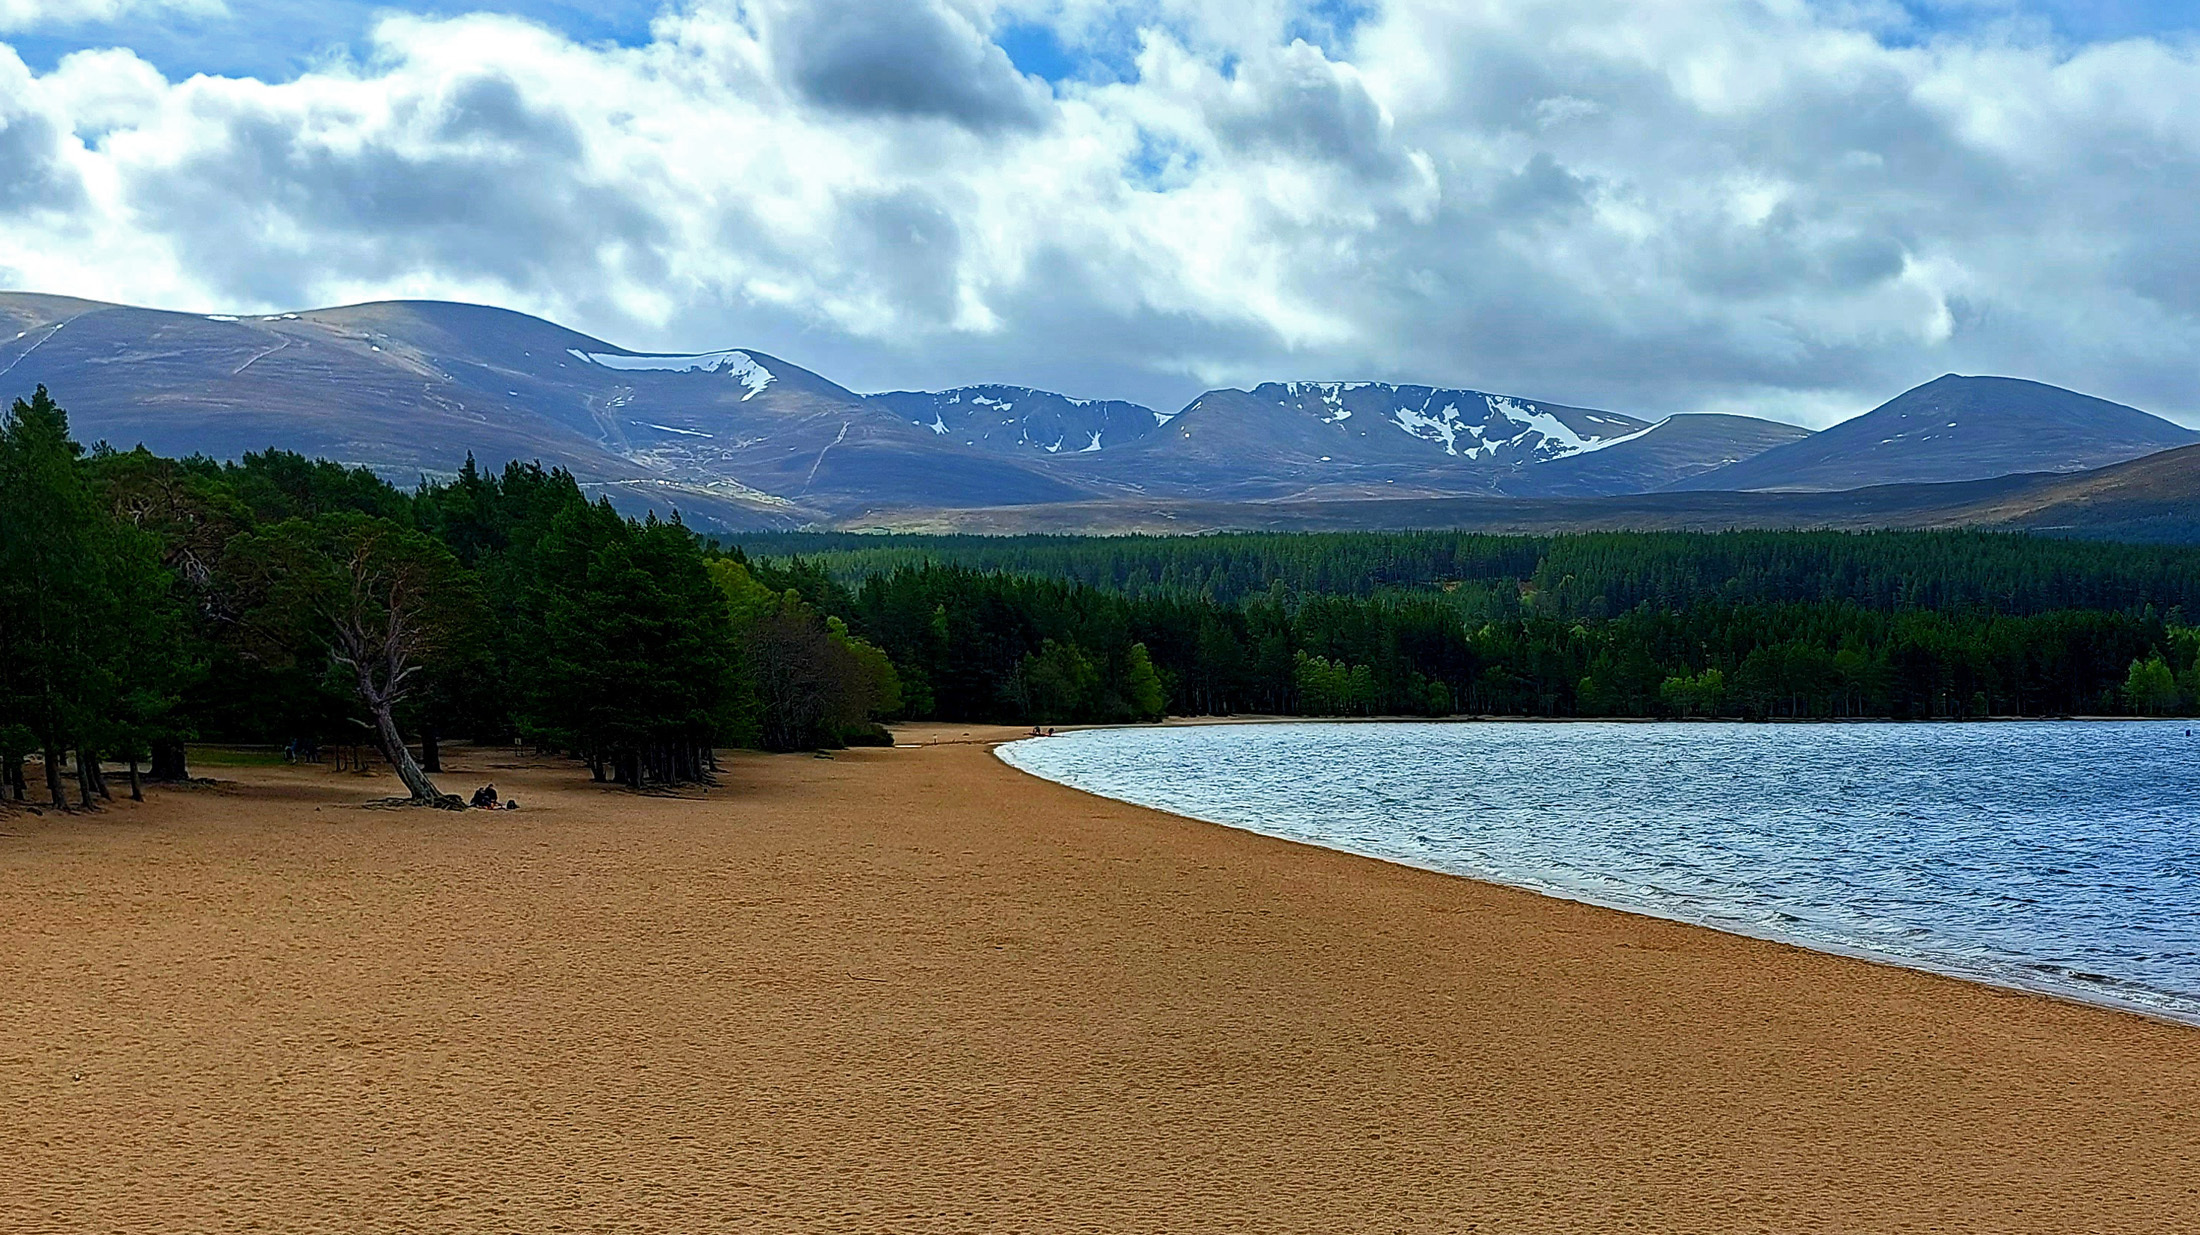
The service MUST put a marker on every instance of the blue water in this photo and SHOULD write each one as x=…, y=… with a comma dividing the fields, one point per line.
x=2059, y=857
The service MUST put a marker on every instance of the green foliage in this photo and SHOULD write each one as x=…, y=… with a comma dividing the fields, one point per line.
x=875, y=680
x=387, y=609
x=1700, y=694
x=810, y=681
x=1758, y=624
x=1142, y=687
x=1333, y=688
x=2150, y=688
x=89, y=620
x=1056, y=683
x=613, y=635
x=343, y=582
x=278, y=484
x=1598, y=575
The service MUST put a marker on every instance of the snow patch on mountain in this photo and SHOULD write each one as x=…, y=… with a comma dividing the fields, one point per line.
x=1592, y=445
x=738, y=365
x=1021, y=418
x=1466, y=424
x=1443, y=427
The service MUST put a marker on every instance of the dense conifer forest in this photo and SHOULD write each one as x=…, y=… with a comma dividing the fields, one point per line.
x=1783, y=625
x=148, y=602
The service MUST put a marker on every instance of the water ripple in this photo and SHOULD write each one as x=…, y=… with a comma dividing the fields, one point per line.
x=2061, y=857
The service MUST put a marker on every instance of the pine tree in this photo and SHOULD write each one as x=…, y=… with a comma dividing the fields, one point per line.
x=86, y=614
x=380, y=604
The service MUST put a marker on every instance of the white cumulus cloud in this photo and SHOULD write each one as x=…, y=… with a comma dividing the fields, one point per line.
x=1652, y=205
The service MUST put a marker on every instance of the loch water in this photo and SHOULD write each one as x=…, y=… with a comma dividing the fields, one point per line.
x=2054, y=856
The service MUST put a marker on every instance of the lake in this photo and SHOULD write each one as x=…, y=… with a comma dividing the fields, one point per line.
x=2054, y=856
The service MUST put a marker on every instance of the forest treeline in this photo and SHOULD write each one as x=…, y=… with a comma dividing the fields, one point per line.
x=147, y=602
x=1595, y=575
x=1909, y=625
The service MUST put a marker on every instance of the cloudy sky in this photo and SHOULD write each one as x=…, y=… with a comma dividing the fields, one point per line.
x=1780, y=207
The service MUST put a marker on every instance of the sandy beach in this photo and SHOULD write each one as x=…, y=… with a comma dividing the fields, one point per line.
x=916, y=990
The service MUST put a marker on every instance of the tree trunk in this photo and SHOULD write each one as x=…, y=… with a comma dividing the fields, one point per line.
x=137, y=787
x=14, y=778
x=83, y=778
x=168, y=760
x=399, y=755
x=431, y=752
x=53, y=779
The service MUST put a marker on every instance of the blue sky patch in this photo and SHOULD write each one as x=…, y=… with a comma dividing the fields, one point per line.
x=275, y=40
x=2083, y=21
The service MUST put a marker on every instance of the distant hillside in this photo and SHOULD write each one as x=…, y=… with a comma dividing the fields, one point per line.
x=1347, y=438
x=1897, y=506
x=1020, y=420
x=738, y=439
x=1957, y=428
x=2155, y=499
x=1675, y=449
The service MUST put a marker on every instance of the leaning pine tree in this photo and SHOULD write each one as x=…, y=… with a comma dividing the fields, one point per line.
x=384, y=604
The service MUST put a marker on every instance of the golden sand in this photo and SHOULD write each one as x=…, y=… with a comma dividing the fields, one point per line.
x=915, y=990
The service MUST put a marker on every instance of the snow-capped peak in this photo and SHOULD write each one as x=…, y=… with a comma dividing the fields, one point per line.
x=1466, y=424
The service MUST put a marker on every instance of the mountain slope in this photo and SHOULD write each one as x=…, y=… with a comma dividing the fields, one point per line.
x=342, y=384
x=2152, y=498
x=1020, y=420
x=1674, y=449
x=1345, y=438
x=2156, y=498
x=411, y=387
x=1957, y=428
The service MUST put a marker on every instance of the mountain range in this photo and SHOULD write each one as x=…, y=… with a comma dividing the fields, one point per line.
x=741, y=439
x=1957, y=428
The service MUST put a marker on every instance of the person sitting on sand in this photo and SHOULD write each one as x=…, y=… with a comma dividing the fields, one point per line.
x=486, y=797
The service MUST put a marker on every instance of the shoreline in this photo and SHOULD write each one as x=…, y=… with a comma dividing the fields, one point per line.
x=914, y=988
x=2078, y=995
x=1478, y=718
